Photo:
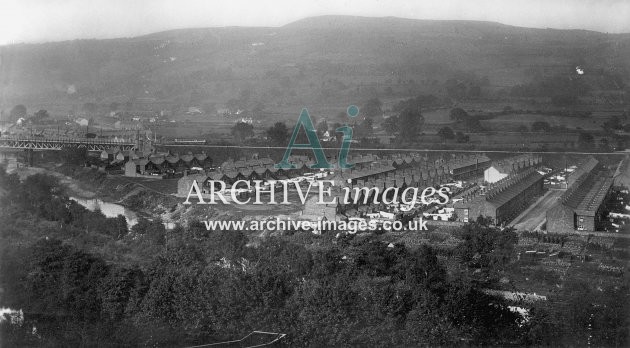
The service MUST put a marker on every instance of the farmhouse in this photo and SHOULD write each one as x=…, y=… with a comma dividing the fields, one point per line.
x=581, y=206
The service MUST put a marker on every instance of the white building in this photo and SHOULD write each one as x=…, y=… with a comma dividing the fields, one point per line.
x=82, y=122
x=503, y=168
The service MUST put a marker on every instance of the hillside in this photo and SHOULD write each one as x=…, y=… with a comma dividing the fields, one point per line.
x=329, y=59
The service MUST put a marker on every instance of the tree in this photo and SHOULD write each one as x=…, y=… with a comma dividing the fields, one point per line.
x=391, y=125
x=613, y=123
x=338, y=135
x=472, y=124
x=564, y=99
x=486, y=247
x=175, y=107
x=74, y=155
x=195, y=97
x=154, y=230
x=586, y=141
x=40, y=116
x=117, y=289
x=455, y=89
x=17, y=112
x=461, y=137
x=417, y=102
x=258, y=110
x=604, y=145
x=373, y=107
x=446, y=133
x=458, y=114
x=322, y=127
x=242, y=130
x=278, y=134
x=541, y=126
x=342, y=116
x=233, y=105
x=365, y=128
x=485, y=319
x=208, y=108
x=411, y=122
x=120, y=226
x=245, y=95
x=90, y=108
x=522, y=129
x=474, y=91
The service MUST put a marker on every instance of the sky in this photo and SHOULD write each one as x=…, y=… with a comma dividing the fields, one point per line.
x=55, y=20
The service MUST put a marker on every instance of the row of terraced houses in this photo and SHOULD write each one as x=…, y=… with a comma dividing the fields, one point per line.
x=581, y=206
x=512, y=185
x=368, y=170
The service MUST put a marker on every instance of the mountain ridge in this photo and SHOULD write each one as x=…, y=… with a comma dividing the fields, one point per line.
x=311, y=60
x=300, y=22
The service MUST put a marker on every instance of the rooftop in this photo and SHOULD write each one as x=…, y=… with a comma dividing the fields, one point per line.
x=594, y=198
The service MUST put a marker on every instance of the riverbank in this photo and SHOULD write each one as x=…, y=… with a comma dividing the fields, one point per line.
x=88, y=184
x=73, y=187
x=145, y=198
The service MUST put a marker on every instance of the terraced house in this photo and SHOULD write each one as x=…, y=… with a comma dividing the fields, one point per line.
x=503, y=200
x=369, y=171
x=502, y=168
x=469, y=167
x=166, y=164
x=581, y=206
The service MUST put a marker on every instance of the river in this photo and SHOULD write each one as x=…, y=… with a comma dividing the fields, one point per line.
x=113, y=210
x=108, y=209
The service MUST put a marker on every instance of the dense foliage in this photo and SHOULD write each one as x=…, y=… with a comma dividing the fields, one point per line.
x=207, y=286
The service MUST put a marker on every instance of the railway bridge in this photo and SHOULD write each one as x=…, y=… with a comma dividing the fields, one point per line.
x=41, y=143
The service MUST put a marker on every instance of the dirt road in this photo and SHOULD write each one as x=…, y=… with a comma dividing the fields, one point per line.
x=536, y=214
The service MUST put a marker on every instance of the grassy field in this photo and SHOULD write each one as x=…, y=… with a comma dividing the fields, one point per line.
x=514, y=121
x=438, y=117
x=165, y=186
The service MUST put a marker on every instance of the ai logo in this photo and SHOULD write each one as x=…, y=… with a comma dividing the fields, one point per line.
x=313, y=143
